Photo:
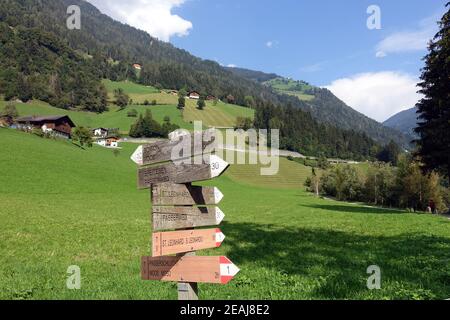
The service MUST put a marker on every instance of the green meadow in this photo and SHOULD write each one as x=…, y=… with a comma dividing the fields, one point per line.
x=292, y=88
x=61, y=205
x=114, y=118
x=221, y=115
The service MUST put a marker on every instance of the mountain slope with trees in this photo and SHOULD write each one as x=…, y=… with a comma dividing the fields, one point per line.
x=326, y=107
x=105, y=48
x=405, y=122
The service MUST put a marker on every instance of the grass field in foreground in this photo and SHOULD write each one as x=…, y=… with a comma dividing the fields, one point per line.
x=61, y=206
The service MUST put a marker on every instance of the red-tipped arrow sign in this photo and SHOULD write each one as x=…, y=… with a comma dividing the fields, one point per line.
x=218, y=270
x=167, y=243
x=213, y=167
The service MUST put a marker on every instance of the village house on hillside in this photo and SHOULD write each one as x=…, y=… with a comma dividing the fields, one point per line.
x=59, y=126
x=106, y=137
x=194, y=95
x=108, y=141
x=137, y=66
x=100, y=132
x=211, y=97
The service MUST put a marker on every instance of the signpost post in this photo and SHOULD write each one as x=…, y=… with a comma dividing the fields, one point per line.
x=178, y=208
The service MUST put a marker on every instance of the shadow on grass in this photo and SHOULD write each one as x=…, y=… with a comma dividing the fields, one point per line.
x=353, y=209
x=412, y=265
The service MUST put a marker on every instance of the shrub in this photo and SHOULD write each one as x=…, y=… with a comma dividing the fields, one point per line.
x=37, y=132
x=132, y=113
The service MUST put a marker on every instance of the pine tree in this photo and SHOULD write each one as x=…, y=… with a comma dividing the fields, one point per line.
x=201, y=104
x=434, y=109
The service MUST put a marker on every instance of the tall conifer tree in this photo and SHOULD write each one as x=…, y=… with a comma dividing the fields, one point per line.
x=434, y=109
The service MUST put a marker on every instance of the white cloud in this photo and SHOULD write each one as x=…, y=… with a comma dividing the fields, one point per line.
x=380, y=54
x=153, y=16
x=378, y=95
x=411, y=40
x=232, y=65
x=272, y=44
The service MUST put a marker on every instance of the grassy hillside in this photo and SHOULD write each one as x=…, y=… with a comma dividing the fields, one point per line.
x=291, y=175
x=221, y=115
x=62, y=206
x=129, y=87
x=290, y=87
x=114, y=118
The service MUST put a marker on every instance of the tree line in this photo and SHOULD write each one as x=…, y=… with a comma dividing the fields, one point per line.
x=147, y=127
x=405, y=186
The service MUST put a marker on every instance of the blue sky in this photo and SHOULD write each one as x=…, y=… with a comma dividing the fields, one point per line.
x=317, y=41
x=324, y=42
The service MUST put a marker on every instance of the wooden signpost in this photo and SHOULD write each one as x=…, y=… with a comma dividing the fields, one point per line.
x=183, y=173
x=167, y=218
x=197, y=144
x=179, y=206
x=166, y=243
x=184, y=195
x=190, y=269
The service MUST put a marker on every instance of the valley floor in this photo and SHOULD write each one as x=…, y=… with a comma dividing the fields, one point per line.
x=62, y=206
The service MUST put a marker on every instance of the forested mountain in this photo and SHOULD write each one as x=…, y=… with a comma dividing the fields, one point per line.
x=326, y=107
x=36, y=64
x=405, y=121
x=41, y=58
x=113, y=47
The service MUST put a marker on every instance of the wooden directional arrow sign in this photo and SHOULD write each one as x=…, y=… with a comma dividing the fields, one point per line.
x=189, y=269
x=166, y=218
x=183, y=173
x=186, y=146
x=166, y=243
x=169, y=194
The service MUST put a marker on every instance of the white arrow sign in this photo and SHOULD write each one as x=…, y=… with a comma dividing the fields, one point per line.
x=218, y=165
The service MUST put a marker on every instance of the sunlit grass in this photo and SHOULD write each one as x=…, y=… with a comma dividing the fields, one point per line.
x=61, y=205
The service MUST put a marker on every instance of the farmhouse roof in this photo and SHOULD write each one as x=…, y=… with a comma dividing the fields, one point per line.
x=41, y=119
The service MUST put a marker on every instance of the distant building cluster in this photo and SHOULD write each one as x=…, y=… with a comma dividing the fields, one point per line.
x=196, y=96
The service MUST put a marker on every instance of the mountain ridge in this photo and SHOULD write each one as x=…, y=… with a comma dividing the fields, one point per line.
x=110, y=48
x=326, y=107
x=404, y=121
